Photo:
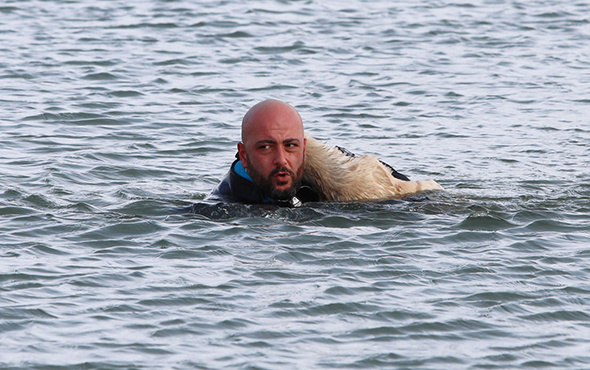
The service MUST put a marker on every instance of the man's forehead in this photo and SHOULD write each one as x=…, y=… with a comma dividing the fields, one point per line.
x=274, y=141
x=279, y=120
x=277, y=130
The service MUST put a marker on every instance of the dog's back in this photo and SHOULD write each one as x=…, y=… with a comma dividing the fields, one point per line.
x=341, y=177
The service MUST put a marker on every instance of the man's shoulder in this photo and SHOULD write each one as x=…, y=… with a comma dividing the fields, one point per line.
x=235, y=188
x=307, y=193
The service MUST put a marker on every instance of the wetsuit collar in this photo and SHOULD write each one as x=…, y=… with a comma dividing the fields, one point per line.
x=240, y=170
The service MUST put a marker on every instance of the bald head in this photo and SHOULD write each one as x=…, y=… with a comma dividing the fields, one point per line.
x=273, y=148
x=270, y=114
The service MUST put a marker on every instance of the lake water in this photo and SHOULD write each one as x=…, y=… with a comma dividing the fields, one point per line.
x=116, y=114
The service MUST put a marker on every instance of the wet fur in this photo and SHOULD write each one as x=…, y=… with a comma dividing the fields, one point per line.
x=343, y=178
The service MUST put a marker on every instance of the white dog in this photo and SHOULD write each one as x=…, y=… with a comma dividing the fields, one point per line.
x=344, y=178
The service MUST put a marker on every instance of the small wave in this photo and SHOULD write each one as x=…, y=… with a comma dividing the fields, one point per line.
x=101, y=76
x=125, y=93
x=485, y=222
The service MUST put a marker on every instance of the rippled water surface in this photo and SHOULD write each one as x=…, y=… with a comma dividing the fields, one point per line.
x=116, y=114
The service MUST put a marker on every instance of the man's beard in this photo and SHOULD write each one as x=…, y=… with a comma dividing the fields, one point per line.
x=267, y=186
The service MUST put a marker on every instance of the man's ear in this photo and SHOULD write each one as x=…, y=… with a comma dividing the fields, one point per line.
x=242, y=155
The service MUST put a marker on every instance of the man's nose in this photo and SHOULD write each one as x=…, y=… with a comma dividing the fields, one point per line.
x=280, y=157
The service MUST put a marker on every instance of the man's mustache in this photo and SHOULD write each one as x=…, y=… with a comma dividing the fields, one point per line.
x=281, y=169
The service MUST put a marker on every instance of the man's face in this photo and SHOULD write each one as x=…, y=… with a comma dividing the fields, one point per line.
x=273, y=150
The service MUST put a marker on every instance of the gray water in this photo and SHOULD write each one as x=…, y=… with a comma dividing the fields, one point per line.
x=116, y=114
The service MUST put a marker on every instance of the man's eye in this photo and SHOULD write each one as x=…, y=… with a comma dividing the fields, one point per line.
x=264, y=147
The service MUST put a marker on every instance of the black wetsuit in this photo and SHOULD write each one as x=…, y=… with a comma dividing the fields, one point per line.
x=237, y=188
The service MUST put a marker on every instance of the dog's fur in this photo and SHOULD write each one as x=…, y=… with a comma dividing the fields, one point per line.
x=343, y=178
